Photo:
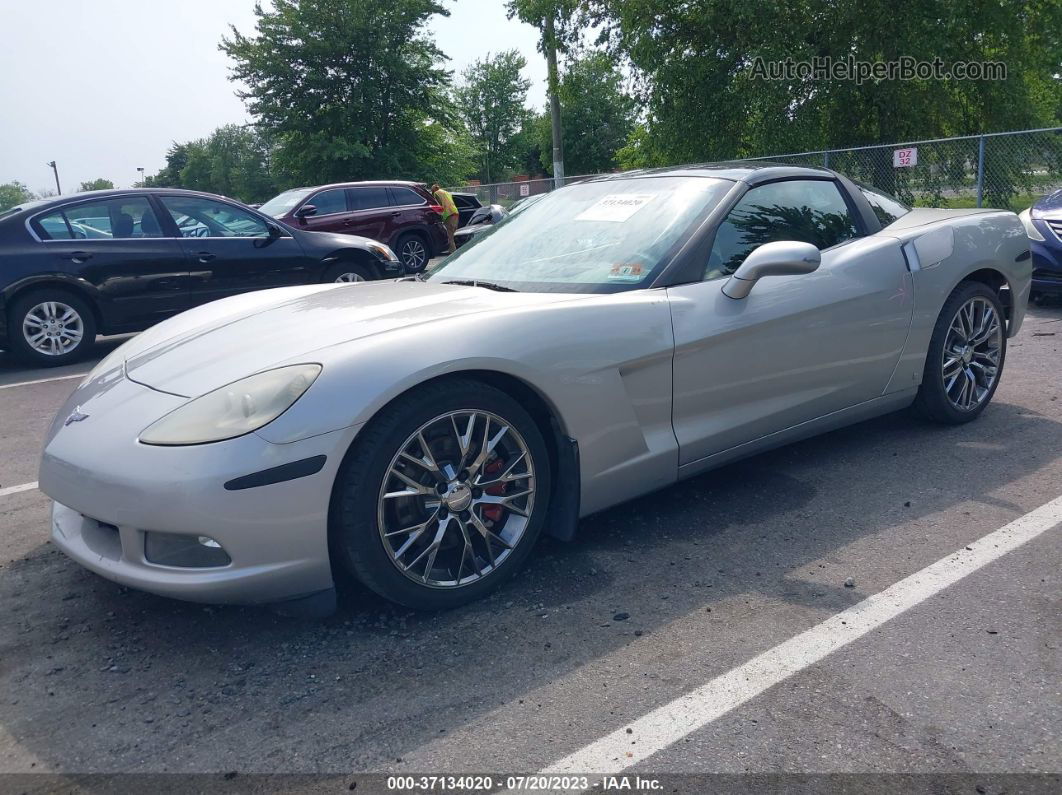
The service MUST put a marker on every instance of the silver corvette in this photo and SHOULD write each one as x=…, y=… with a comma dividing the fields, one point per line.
x=617, y=336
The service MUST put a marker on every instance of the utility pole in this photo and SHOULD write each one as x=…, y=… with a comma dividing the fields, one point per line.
x=550, y=42
x=54, y=168
x=141, y=170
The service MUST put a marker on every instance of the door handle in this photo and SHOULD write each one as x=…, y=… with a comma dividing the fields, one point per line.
x=396, y=212
x=206, y=256
x=76, y=256
x=348, y=222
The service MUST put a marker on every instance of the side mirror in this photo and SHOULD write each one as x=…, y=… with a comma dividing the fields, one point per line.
x=782, y=258
x=305, y=211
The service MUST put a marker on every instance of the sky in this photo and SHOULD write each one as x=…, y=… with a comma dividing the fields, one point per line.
x=106, y=86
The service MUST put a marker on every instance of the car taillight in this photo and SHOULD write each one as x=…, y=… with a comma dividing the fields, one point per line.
x=435, y=208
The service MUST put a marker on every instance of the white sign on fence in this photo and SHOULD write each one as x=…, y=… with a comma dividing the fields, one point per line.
x=525, y=190
x=904, y=157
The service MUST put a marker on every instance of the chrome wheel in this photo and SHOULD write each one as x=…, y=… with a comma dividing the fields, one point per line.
x=413, y=254
x=53, y=328
x=350, y=277
x=971, y=355
x=456, y=498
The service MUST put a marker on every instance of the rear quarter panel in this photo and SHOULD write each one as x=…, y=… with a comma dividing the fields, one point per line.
x=983, y=240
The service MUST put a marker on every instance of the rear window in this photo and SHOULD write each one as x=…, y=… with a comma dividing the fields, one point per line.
x=368, y=198
x=407, y=196
x=110, y=218
x=885, y=207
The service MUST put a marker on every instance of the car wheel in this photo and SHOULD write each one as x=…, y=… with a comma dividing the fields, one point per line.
x=413, y=252
x=349, y=272
x=965, y=358
x=442, y=497
x=50, y=327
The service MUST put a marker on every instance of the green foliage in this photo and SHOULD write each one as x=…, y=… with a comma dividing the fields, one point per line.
x=346, y=87
x=233, y=161
x=491, y=101
x=598, y=116
x=694, y=61
x=12, y=194
x=96, y=184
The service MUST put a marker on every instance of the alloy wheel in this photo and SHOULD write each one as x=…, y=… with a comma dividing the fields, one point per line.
x=413, y=254
x=456, y=498
x=350, y=277
x=971, y=355
x=53, y=328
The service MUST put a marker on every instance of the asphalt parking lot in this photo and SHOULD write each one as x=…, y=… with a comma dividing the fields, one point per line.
x=654, y=599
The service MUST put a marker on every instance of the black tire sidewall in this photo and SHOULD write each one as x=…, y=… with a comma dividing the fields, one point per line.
x=932, y=399
x=21, y=306
x=336, y=271
x=355, y=538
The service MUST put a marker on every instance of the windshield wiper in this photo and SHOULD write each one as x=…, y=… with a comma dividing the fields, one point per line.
x=478, y=283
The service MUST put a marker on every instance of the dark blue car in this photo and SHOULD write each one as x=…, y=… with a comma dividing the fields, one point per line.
x=1043, y=224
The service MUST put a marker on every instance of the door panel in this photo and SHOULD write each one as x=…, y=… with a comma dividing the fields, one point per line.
x=333, y=213
x=796, y=348
x=372, y=215
x=117, y=246
x=229, y=250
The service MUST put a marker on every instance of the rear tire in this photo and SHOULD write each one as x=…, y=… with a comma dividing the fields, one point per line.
x=50, y=327
x=414, y=251
x=965, y=358
x=482, y=536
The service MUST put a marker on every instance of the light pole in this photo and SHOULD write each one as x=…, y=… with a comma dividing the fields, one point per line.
x=51, y=163
x=141, y=170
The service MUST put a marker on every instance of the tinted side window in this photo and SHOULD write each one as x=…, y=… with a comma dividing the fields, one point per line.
x=811, y=211
x=406, y=196
x=196, y=217
x=886, y=208
x=368, y=198
x=106, y=219
x=329, y=201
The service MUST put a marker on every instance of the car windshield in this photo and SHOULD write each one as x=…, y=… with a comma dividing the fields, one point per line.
x=598, y=237
x=279, y=205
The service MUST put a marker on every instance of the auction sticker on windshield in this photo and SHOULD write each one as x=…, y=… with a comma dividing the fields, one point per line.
x=615, y=207
x=626, y=273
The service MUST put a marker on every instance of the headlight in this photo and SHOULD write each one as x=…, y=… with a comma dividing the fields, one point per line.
x=1030, y=230
x=235, y=409
x=383, y=252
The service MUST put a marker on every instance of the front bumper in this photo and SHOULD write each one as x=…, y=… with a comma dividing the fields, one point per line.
x=110, y=491
x=1046, y=262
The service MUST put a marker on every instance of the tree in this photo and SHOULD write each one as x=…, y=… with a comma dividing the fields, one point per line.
x=598, y=115
x=97, y=184
x=696, y=64
x=234, y=160
x=13, y=194
x=491, y=100
x=346, y=87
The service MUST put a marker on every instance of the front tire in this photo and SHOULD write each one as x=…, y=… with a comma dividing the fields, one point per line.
x=965, y=358
x=349, y=272
x=50, y=328
x=442, y=497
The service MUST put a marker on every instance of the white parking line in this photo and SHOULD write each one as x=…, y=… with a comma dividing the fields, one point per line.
x=668, y=724
x=43, y=380
x=17, y=489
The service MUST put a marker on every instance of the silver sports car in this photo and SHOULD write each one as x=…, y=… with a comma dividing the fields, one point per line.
x=615, y=337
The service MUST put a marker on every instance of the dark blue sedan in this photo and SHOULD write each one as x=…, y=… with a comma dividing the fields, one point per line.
x=1043, y=224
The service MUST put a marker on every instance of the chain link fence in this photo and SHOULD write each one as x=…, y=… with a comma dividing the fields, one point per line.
x=1008, y=170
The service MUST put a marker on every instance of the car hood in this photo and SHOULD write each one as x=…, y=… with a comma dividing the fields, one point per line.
x=221, y=342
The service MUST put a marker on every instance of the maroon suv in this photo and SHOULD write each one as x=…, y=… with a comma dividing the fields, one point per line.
x=403, y=215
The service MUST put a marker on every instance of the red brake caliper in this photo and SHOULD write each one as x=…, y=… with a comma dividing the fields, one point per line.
x=493, y=512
